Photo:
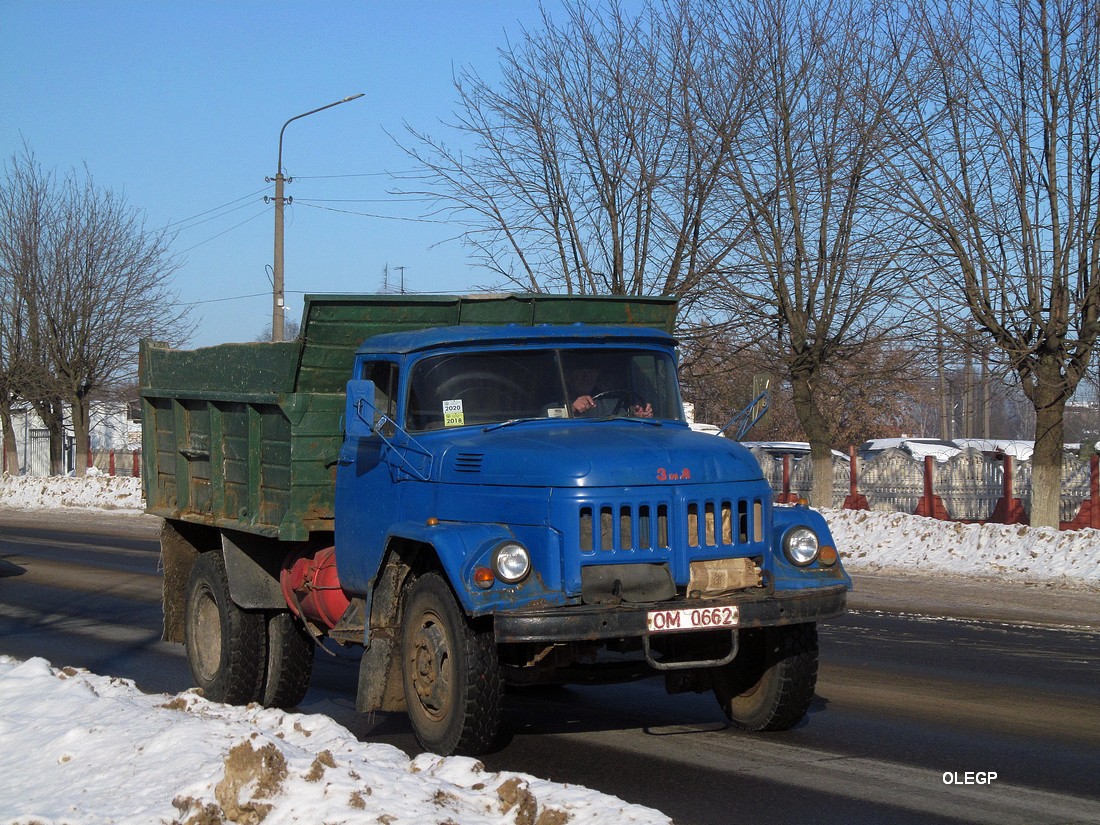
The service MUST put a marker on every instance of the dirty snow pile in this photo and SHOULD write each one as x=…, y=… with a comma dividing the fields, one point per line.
x=94, y=490
x=81, y=748
x=876, y=541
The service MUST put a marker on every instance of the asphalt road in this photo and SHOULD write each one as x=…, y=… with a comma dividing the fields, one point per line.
x=904, y=700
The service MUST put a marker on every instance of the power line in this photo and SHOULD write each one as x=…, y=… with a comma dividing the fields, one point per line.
x=355, y=175
x=263, y=211
x=373, y=215
x=216, y=208
x=221, y=300
x=363, y=200
x=215, y=217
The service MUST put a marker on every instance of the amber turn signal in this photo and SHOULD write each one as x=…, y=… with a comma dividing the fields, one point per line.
x=827, y=555
x=484, y=578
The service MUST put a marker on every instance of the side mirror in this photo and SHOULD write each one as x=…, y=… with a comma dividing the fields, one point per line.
x=360, y=415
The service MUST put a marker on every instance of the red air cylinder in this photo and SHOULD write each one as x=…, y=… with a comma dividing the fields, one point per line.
x=312, y=589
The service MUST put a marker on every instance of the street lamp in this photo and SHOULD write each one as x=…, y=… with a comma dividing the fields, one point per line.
x=278, y=303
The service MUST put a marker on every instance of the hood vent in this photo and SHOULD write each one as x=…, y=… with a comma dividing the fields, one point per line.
x=468, y=462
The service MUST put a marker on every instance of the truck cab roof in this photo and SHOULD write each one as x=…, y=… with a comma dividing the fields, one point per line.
x=516, y=334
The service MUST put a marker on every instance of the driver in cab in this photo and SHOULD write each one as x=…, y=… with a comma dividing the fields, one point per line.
x=589, y=400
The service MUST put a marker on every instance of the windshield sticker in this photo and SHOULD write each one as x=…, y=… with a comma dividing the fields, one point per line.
x=557, y=412
x=452, y=413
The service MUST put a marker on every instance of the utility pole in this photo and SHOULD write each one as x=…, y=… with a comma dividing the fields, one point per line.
x=401, y=269
x=278, y=297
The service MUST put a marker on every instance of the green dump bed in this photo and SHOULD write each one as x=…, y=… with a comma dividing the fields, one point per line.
x=245, y=436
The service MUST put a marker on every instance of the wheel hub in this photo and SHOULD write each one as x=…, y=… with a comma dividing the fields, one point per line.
x=430, y=661
x=207, y=641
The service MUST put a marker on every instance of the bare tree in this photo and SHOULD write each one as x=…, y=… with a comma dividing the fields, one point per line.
x=1004, y=179
x=27, y=211
x=88, y=282
x=291, y=330
x=589, y=169
x=825, y=264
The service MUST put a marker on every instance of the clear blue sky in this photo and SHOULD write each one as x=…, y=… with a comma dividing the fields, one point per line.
x=178, y=105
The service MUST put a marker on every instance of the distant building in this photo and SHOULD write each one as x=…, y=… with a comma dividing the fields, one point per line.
x=115, y=426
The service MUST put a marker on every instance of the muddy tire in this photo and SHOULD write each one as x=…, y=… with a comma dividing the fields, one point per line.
x=289, y=660
x=226, y=646
x=770, y=685
x=452, y=680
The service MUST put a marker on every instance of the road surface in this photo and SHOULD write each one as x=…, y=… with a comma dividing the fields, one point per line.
x=917, y=719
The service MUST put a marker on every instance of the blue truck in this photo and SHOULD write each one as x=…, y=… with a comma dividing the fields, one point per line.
x=479, y=492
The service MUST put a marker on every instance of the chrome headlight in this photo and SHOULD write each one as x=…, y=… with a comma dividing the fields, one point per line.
x=800, y=546
x=511, y=562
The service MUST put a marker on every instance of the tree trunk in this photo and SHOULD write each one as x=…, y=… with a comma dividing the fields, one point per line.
x=817, y=433
x=7, y=431
x=945, y=427
x=81, y=433
x=1046, y=464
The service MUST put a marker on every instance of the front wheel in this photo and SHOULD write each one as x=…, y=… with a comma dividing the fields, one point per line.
x=453, y=685
x=770, y=684
x=226, y=646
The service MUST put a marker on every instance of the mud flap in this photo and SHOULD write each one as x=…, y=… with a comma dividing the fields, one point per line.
x=380, y=685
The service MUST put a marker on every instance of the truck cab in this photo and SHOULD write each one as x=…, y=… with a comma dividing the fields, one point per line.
x=548, y=477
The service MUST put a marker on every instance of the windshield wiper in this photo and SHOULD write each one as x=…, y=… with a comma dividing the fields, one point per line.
x=653, y=422
x=512, y=421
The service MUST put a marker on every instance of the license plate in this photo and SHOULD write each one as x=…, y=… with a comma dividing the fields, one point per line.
x=691, y=618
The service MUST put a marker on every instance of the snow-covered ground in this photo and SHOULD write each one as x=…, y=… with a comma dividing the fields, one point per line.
x=76, y=747
x=88, y=749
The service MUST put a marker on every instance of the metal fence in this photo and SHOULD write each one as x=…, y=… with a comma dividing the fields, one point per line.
x=970, y=485
x=116, y=462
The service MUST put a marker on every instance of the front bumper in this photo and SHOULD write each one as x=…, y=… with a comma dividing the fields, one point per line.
x=595, y=622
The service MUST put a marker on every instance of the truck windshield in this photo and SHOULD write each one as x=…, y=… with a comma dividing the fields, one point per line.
x=491, y=387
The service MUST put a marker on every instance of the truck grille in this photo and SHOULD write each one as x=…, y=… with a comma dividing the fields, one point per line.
x=661, y=526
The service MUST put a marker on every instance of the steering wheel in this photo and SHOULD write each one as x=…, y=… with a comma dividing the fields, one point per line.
x=622, y=400
x=487, y=394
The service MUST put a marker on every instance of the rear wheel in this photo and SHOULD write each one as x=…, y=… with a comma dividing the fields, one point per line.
x=226, y=646
x=770, y=684
x=452, y=679
x=289, y=660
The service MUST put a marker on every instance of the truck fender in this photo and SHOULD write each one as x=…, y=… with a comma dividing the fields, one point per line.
x=786, y=576
x=458, y=547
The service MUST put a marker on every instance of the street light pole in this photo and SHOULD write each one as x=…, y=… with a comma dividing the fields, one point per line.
x=277, y=298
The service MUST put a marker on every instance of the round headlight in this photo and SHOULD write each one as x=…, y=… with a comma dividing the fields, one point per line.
x=800, y=546
x=511, y=562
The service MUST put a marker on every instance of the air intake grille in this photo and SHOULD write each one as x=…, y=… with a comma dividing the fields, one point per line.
x=662, y=526
x=468, y=462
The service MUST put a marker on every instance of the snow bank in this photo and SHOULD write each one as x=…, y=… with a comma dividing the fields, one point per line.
x=98, y=491
x=81, y=748
x=877, y=541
